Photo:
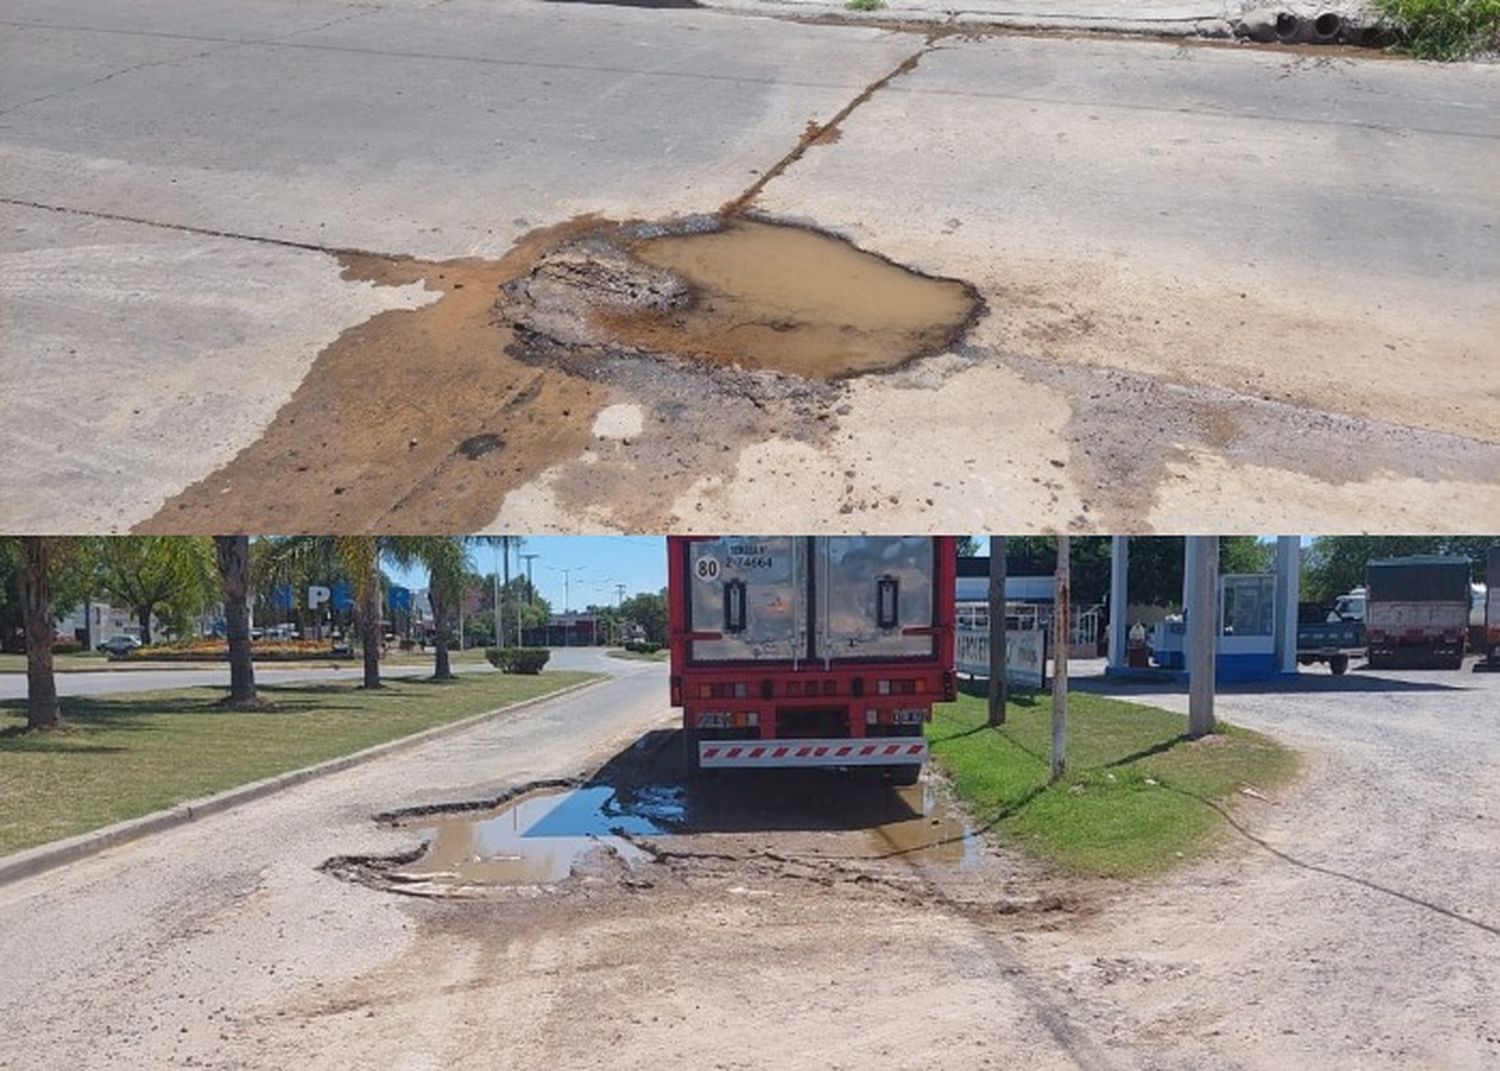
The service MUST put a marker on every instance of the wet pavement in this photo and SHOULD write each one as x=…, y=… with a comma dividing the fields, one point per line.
x=429, y=416
x=541, y=836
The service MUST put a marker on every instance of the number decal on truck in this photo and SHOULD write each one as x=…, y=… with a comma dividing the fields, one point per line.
x=707, y=568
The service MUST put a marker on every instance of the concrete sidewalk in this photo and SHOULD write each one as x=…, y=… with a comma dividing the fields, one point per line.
x=1206, y=18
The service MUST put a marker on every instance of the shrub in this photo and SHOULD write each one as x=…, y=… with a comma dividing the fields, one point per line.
x=1444, y=29
x=528, y=660
x=641, y=647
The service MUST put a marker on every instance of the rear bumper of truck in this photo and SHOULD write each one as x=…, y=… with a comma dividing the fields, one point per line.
x=767, y=754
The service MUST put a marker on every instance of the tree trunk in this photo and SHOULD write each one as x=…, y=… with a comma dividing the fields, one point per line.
x=143, y=615
x=998, y=691
x=36, y=609
x=442, y=669
x=233, y=554
x=369, y=613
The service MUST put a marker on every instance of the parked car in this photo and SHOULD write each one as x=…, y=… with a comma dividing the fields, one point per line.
x=120, y=646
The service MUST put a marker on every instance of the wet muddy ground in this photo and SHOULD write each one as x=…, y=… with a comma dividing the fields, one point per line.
x=640, y=819
x=724, y=330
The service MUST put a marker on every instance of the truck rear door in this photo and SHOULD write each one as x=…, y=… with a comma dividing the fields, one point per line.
x=873, y=597
x=748, y=599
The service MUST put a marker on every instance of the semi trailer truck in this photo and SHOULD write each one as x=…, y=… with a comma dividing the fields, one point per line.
x=1417, y=612
x=808, y=651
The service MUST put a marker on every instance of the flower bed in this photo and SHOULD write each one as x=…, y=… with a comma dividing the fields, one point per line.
x=218, y=651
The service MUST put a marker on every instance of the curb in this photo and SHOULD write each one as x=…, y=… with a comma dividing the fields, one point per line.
x=1208, y=25
x=31, y=861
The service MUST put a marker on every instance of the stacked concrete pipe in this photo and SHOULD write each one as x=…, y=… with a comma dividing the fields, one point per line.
x=1287, y=27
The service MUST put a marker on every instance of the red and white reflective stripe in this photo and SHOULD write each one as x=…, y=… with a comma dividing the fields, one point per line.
x=874, y=751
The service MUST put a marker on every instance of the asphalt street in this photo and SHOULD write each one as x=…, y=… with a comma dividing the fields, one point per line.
x=1256, y=285
x=1348, y=920
x=203, y=916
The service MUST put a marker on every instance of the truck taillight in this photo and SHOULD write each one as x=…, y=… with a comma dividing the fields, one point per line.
x=676, y=685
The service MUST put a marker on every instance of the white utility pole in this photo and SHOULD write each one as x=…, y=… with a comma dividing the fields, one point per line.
x=1119, y=600
x=1201, y=564
x=1062, y=634
x=495, y=576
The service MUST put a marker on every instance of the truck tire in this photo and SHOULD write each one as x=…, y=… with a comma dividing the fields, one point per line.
x=690, y=764
x=1338, y=665
x=906, y=774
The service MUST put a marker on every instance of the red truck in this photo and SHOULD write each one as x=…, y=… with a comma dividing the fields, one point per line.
x=797, y=651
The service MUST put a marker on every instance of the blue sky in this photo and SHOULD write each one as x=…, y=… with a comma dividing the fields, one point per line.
x=597, y=564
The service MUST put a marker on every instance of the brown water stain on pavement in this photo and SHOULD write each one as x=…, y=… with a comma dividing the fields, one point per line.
x=414, y=420
x=723, y=332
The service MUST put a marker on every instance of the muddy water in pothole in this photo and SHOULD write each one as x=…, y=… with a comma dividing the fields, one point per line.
x=540, y=838
x=536, y=839
x=775, y=296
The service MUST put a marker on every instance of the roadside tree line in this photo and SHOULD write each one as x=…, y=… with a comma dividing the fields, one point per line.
x=170, y=579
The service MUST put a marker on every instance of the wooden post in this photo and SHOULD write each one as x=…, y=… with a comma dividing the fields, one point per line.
x=1061, y=634
x=998, y=690
x=1202, y=561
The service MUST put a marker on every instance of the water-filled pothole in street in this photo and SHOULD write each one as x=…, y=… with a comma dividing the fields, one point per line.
x=740, y=292
x=535, y=839
x=544, y=836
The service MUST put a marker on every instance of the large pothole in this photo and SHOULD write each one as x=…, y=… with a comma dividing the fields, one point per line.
x=736, y=292
x=539, y=837
x=727, y=329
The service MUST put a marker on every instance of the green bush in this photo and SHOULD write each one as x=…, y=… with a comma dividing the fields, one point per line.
x=1444, y=29
x=640, y=647
x=518, y=659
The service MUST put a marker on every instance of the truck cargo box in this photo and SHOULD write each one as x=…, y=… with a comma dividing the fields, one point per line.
x=833, y=642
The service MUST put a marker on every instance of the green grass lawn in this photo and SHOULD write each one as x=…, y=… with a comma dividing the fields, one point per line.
x=127, y=755
x=1133, y=800
x=63, y=663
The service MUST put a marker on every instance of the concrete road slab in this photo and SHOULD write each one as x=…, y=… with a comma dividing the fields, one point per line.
x=432, y=131
x=1252, y=286
x=1261, y=225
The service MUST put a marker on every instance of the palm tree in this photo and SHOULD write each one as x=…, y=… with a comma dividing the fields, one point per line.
x=447, y=561
x=232, y=554
x=360, y=558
